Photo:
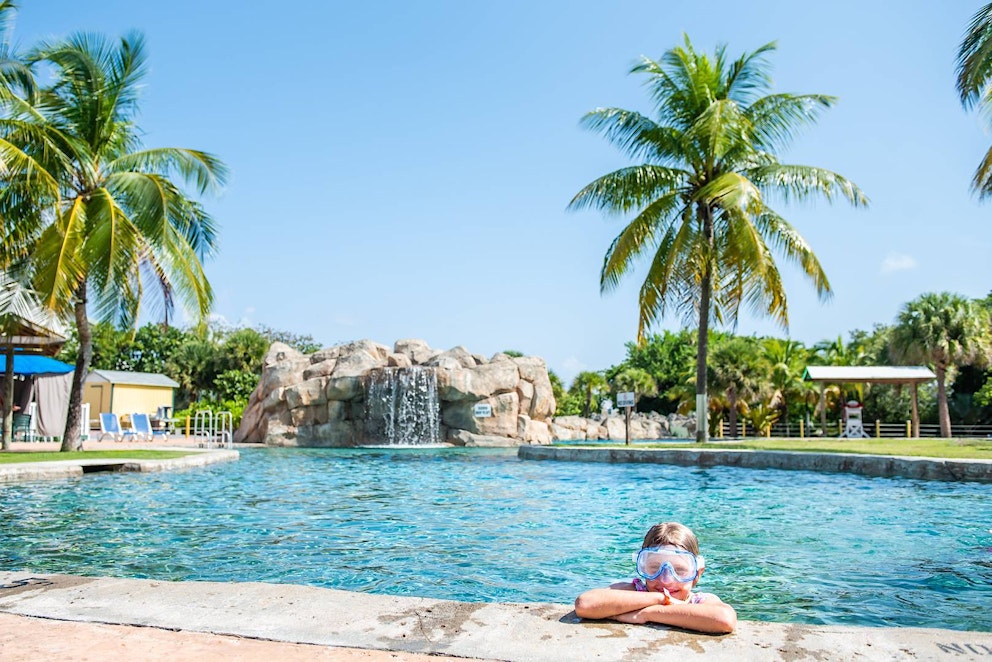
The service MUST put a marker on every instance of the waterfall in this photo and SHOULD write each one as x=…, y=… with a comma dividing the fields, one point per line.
x=401, y=407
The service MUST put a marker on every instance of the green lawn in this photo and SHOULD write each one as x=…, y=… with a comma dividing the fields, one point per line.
x=972, y=449
x=12, y=457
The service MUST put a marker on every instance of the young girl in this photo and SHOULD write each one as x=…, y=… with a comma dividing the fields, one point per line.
x=669, y=566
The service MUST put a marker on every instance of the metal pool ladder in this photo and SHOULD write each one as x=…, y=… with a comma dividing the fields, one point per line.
x=210, y=428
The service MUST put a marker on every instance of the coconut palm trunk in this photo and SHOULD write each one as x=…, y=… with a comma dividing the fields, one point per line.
x=8, y=398
x=71, y=439
x=732, y=414
x=943, y=411
x=702, y=339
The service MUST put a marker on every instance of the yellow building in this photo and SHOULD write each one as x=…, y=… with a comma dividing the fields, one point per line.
x=124, y=392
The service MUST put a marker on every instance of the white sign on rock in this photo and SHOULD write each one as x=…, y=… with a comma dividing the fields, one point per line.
x=483, y=410
x=625, y=399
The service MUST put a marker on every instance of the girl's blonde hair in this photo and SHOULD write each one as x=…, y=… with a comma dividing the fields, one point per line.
x=672, y=533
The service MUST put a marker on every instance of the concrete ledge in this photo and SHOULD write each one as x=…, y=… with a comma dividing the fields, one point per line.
x=883, y=466
x=527, y=632
x=76, y=468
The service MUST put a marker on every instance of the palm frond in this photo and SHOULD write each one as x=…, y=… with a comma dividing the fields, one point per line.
x=797, y=182
x=59, y=267
x=974, y=59
x=748, y=75
x=628, y=188
x=205, y=170
x=777, y=118
x=638, y=237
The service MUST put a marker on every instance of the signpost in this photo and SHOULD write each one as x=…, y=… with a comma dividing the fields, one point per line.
x=626, y=400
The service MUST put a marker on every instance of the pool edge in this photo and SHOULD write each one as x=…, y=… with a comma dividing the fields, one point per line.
x=505, y=631
x=877, y=466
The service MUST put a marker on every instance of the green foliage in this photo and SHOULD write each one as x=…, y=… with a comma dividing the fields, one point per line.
x=588, y=387
x=943, y=330
x=974, y=69
x=236, y=407
x=512, y=353
x=666, y=357
x=235, y=385
x=762, y=418
x=634, y=379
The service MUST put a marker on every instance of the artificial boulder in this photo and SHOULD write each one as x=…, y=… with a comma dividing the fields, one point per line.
x=321, y=399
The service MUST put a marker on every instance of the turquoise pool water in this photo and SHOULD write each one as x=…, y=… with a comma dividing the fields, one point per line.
x=481, y=525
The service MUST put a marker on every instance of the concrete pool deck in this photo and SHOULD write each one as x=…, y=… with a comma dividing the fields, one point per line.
x=75, y=468
x=208, y=620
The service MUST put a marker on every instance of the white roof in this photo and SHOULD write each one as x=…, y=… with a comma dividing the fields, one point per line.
x=135, y=378
x=868, y=373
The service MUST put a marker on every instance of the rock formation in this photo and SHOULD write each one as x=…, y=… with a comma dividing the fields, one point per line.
x=319, y=399
x=613, y=427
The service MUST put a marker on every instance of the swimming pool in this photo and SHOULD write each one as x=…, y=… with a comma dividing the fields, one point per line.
x=482, y=525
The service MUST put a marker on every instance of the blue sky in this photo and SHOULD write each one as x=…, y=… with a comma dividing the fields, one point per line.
x=402, y=169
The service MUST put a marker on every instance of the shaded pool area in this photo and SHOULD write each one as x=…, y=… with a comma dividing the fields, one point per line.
x=482, y=525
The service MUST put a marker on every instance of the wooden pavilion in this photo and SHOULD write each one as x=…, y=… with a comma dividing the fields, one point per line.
x=829, y=374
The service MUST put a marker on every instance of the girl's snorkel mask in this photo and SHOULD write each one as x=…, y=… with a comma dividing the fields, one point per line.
x=654, y=562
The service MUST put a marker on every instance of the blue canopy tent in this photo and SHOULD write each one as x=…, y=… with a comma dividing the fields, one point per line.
x=33, y=364
x=41, y=390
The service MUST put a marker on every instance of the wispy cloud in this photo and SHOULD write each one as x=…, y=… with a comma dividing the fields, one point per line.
x=898, y=262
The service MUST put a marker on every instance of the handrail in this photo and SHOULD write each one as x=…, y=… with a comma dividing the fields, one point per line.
x=211, y=428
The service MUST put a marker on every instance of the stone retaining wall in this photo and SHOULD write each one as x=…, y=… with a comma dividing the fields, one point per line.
x=864, y=465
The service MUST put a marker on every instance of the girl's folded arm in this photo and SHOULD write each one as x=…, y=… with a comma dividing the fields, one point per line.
x=711, y=616
x=610, y=602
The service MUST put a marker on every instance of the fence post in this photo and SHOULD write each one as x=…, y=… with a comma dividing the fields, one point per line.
x=909, y=429
x=840, y=427
x=721, y=429
x=878, y=429
x=744, y=428
x=802, y=429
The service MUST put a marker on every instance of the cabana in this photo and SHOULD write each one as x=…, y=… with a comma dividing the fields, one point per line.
x=912, y=375
x=26, y=329
x=45, y=383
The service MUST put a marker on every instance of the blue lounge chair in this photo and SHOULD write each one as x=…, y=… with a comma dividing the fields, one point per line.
x=142, y=427
x=110, y=426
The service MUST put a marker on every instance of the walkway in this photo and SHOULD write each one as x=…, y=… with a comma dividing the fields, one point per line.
x=244, y=616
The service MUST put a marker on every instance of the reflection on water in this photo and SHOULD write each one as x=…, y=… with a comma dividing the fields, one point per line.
x=481, y=525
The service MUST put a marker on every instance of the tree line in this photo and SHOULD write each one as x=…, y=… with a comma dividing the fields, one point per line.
x=216, y=368
x=760, y=379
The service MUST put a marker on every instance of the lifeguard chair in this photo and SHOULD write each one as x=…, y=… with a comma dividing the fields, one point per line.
x=853, y=424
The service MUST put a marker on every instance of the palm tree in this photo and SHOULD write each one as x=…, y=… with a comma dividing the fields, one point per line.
x=733, y=369
x=698, y=195
x=588, y=383
x=637, y=380
x=942, y=330
x=123, y=228
x=974, y=68
x=786, y=361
